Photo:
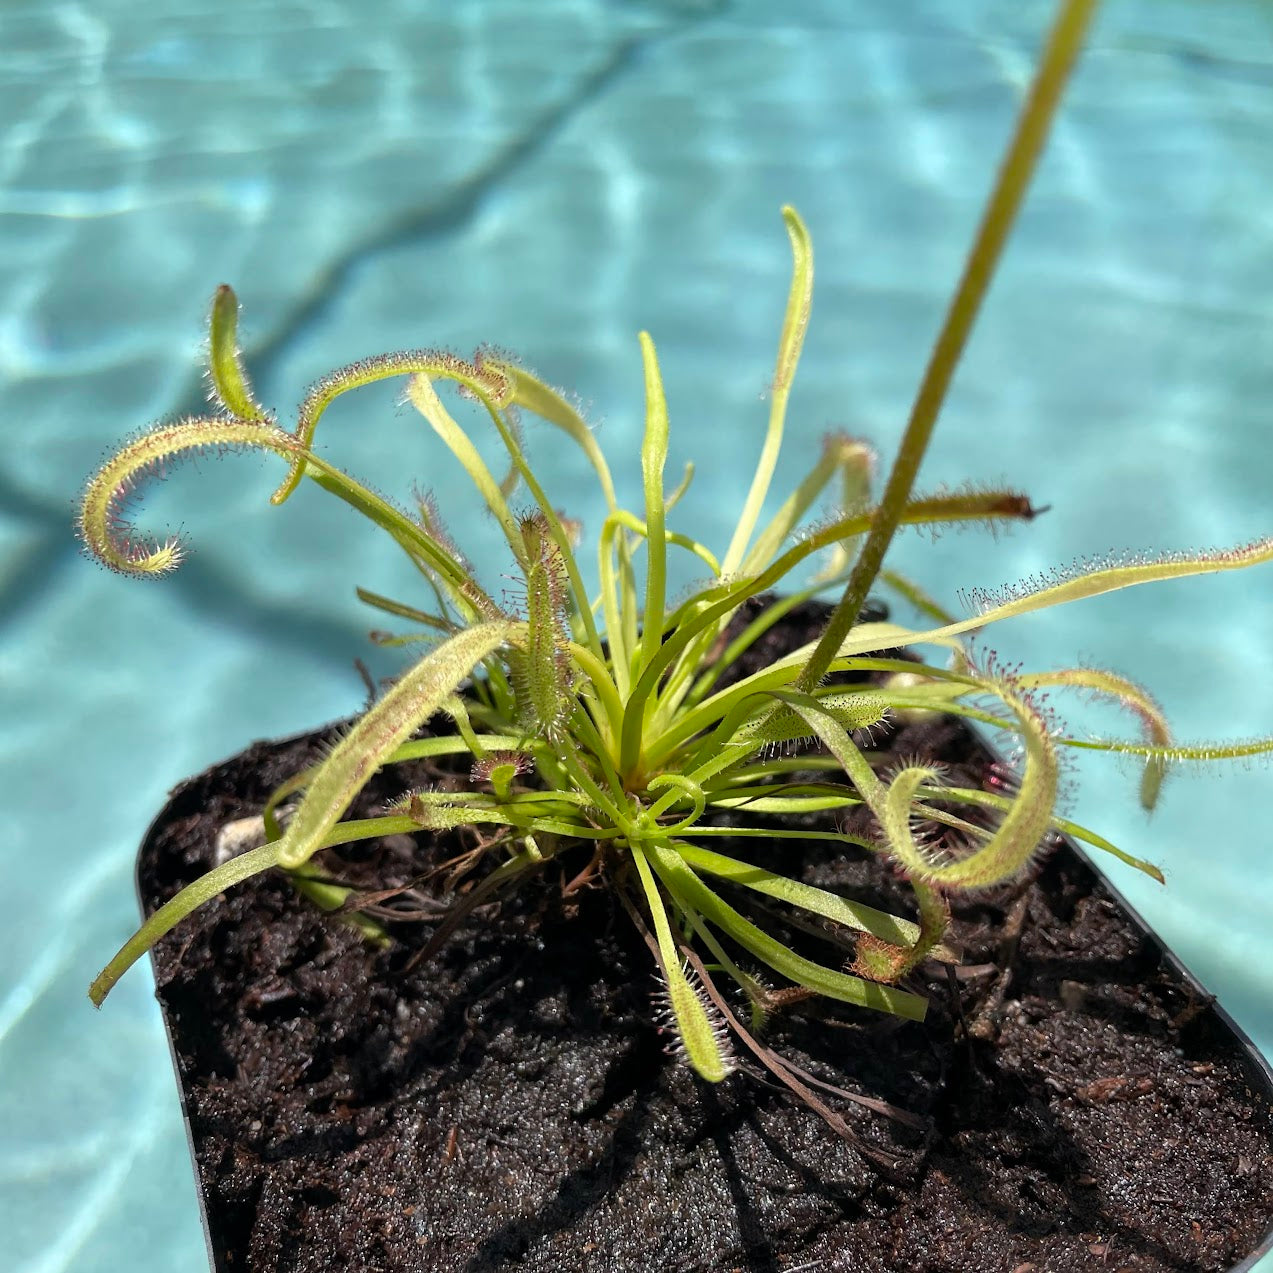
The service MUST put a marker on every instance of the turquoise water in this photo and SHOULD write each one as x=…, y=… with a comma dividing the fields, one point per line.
x=551, y=179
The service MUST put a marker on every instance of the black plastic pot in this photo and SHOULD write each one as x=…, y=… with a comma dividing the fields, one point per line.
x=662, y=1135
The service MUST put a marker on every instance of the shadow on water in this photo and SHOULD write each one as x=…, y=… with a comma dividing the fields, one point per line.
x=202, y=588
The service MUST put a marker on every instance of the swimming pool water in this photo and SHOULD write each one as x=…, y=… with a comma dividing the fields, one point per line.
x=551, y=179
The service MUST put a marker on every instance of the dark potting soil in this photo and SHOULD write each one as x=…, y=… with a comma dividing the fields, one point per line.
x=509, y=1104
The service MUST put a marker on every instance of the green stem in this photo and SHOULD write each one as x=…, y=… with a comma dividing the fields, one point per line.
x=1062, y=49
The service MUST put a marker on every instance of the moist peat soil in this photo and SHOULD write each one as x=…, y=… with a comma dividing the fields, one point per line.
x=1073, y=1102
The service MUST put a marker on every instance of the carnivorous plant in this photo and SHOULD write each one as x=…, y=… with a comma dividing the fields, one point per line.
x=606, y=727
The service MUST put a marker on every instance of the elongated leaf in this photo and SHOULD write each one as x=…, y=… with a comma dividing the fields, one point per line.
x=1008, y=851
x=653, y=460
x=794, y=325
x=172, y=912
x=424, y=397
x=843, y=910
x=103, y=525
x=533, y=394
x=1239, y=749
x=682, y=882
x=225, y=367
x=869, y=637
x=991, y=800
x=1129, y=695
x=785, y=805
x=486, y=380
x=388, y=724
x=702, y=1042
x=850, y=711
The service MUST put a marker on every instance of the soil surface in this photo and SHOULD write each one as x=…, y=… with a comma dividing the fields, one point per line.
x=509, y=1104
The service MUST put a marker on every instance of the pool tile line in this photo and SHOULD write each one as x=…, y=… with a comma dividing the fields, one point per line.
x=205, y=589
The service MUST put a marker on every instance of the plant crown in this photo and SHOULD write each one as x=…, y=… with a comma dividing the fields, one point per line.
x=620, y=704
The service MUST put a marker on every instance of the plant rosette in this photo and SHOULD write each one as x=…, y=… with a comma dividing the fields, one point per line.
x=633, y=745
x=1075, y=1096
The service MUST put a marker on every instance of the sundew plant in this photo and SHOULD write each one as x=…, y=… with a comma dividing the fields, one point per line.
x=605, y=730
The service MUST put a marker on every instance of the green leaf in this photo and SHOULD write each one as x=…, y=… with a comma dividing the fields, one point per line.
x=172, y=912
x=485, y=380
x=794, y=325
x=103, y=525
x=784, y=724
x=653, y=461
x=1131, y=696
x=682, y=882
x=990, y=800
x=225, y=368
x=869, y=637
x=533, y=394
x=424, y=397
x=1012, y=847
x=701, y=1038
x=543, y=671
x=385, y=726
x=843, y=910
